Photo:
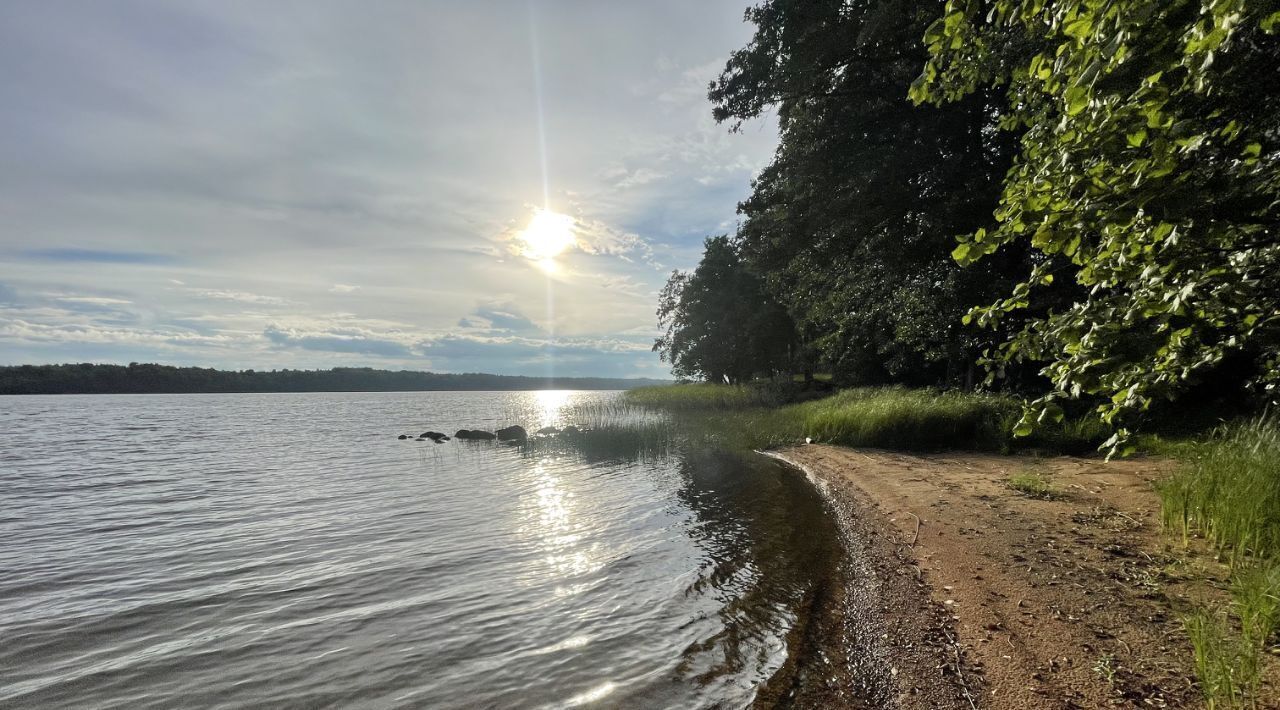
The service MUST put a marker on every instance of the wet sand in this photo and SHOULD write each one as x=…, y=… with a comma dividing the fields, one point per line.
x=983, y=597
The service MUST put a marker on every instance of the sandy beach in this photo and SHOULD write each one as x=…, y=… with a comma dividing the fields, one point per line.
x=983, y=596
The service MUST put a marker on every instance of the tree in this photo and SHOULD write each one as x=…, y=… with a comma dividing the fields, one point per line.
x=852, y=223
x=719, y=324
x=1148, y=172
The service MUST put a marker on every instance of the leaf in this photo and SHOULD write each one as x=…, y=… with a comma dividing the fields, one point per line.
x=1079, y=28
x=1137, y=138
x=1077, y=98
x=1270, y=23
x=1023, y=428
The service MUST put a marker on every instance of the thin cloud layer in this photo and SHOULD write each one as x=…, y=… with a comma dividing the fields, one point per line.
x=319, y=184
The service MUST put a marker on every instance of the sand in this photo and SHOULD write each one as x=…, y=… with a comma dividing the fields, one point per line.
x=963, y=593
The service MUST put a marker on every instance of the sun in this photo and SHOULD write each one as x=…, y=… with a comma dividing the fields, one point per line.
x=548, y=234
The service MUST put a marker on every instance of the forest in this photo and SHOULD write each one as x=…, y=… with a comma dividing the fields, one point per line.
x=1073, y=202
x=87, y=378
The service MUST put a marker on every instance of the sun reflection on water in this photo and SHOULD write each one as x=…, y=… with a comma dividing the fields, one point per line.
x=551, y=405
x=558, y=533
x=595, y=694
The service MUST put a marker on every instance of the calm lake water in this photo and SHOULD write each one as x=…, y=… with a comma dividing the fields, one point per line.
x=286, y=550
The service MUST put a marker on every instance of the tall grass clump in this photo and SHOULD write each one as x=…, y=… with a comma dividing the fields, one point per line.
x=1229, y=642
x=1228, y=490
x=1216, y=650
x=910, y=419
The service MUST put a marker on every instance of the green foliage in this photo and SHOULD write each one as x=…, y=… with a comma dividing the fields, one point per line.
x=720, y=324
x=851, y=224
x=1148, y=172
x=1228, y=489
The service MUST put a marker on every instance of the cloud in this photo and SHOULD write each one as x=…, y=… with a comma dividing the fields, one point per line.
x=504, y=316
x=339, y=341
x=188, y=176
x=94, y=300
x=97, y=334
x=241, y=297
x=96, y=256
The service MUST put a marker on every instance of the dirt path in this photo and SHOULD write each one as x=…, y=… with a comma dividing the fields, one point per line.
x=1060, y=603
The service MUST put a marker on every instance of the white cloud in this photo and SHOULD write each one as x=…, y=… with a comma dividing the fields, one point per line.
x=241, y=297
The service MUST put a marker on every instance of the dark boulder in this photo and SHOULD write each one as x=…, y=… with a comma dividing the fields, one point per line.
x=512, y=433
x=434, y=435
x=474, y=435
x=402, y=437
x=548, y=430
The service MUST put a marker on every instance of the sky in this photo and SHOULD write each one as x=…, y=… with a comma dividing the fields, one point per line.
x=268, y=184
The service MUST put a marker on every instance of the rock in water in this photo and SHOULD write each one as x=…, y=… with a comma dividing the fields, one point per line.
x=402, y=437
x=512, y=433
x=548, y=430
x=474, y=435
x=434, y=436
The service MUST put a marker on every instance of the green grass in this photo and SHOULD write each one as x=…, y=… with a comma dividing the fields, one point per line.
x=1229, y=642
x=702, y=396
x=1216, y=650
x=880, y=417
x=1033, y=485
x=1228, y=490
x=897, y=418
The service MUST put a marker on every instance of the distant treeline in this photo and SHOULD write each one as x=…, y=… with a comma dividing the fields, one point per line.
x=88, y=378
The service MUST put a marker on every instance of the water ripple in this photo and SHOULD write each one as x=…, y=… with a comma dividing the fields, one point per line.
x=287, y=551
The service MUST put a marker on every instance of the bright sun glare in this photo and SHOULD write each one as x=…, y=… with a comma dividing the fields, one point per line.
x=548, y=234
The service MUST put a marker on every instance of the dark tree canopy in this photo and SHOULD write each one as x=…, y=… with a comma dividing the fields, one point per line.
x=720, y=325
x=852, y=223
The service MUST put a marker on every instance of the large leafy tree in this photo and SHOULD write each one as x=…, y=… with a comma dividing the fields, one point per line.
x=719, y=323
x=852, y=222
x=1148, y=172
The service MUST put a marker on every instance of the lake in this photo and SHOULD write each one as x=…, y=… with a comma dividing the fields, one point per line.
x=287, y=550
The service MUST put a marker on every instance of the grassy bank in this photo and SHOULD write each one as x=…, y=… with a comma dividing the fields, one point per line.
x=883, y=417
x=706, y=397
